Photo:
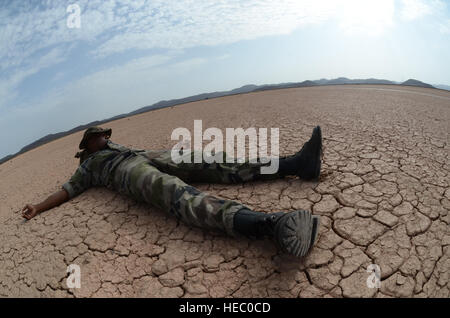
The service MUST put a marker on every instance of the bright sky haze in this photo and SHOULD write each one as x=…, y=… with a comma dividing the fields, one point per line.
x=58, y=71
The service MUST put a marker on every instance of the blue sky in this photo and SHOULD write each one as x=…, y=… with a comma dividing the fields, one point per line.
x=129, y=54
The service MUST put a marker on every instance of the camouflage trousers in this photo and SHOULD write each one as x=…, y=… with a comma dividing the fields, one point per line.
x=154, y=178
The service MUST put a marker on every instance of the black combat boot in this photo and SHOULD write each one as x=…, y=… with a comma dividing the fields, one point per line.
x=294, y=232
x=307, y=162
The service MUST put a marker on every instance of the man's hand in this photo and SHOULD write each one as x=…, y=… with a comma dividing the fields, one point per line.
x=29, y=211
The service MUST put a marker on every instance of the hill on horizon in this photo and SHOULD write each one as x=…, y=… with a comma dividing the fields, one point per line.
x=413, y=82
x=241, y=90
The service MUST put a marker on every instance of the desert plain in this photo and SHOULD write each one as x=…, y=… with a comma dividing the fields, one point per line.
x=383, y=197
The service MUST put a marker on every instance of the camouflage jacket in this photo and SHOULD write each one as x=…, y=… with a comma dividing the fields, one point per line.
x=97, y=169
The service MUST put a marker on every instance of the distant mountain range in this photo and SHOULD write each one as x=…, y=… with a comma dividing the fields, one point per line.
x=240, y=90
x=441, y=86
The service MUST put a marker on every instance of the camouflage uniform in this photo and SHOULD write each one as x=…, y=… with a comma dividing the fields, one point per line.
x=152, y=177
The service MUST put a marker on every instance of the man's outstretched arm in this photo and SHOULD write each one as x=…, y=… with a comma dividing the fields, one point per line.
x=57, y=198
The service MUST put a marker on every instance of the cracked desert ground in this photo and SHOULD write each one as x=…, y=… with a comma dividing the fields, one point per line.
x=383, y=196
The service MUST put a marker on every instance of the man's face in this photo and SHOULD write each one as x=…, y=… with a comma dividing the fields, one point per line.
x=96, y=142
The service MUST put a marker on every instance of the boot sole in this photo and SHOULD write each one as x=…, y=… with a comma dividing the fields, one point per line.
x=296, y=232
x=315, y=230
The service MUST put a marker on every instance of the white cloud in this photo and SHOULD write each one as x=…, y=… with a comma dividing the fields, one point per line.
x=111, y=90
x=224, y=56
x=29, y=30
x=26, y=28
x=117, y=26
x=184, y=24
x=444, y=27
x=9, y=83
x=365, y=17
x=413, y=9
x=416, y=9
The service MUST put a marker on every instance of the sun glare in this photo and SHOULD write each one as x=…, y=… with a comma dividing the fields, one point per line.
x=353, y=16
x=367, y=17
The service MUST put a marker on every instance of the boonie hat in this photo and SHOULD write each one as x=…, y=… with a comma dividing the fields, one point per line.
x=93, y=130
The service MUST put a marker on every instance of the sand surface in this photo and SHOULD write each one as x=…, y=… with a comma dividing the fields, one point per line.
x=384, y=198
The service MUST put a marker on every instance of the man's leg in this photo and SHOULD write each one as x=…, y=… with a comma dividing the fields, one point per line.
x=216, y=172
x=294, y=232
x=306, y=164
x=146, y=183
